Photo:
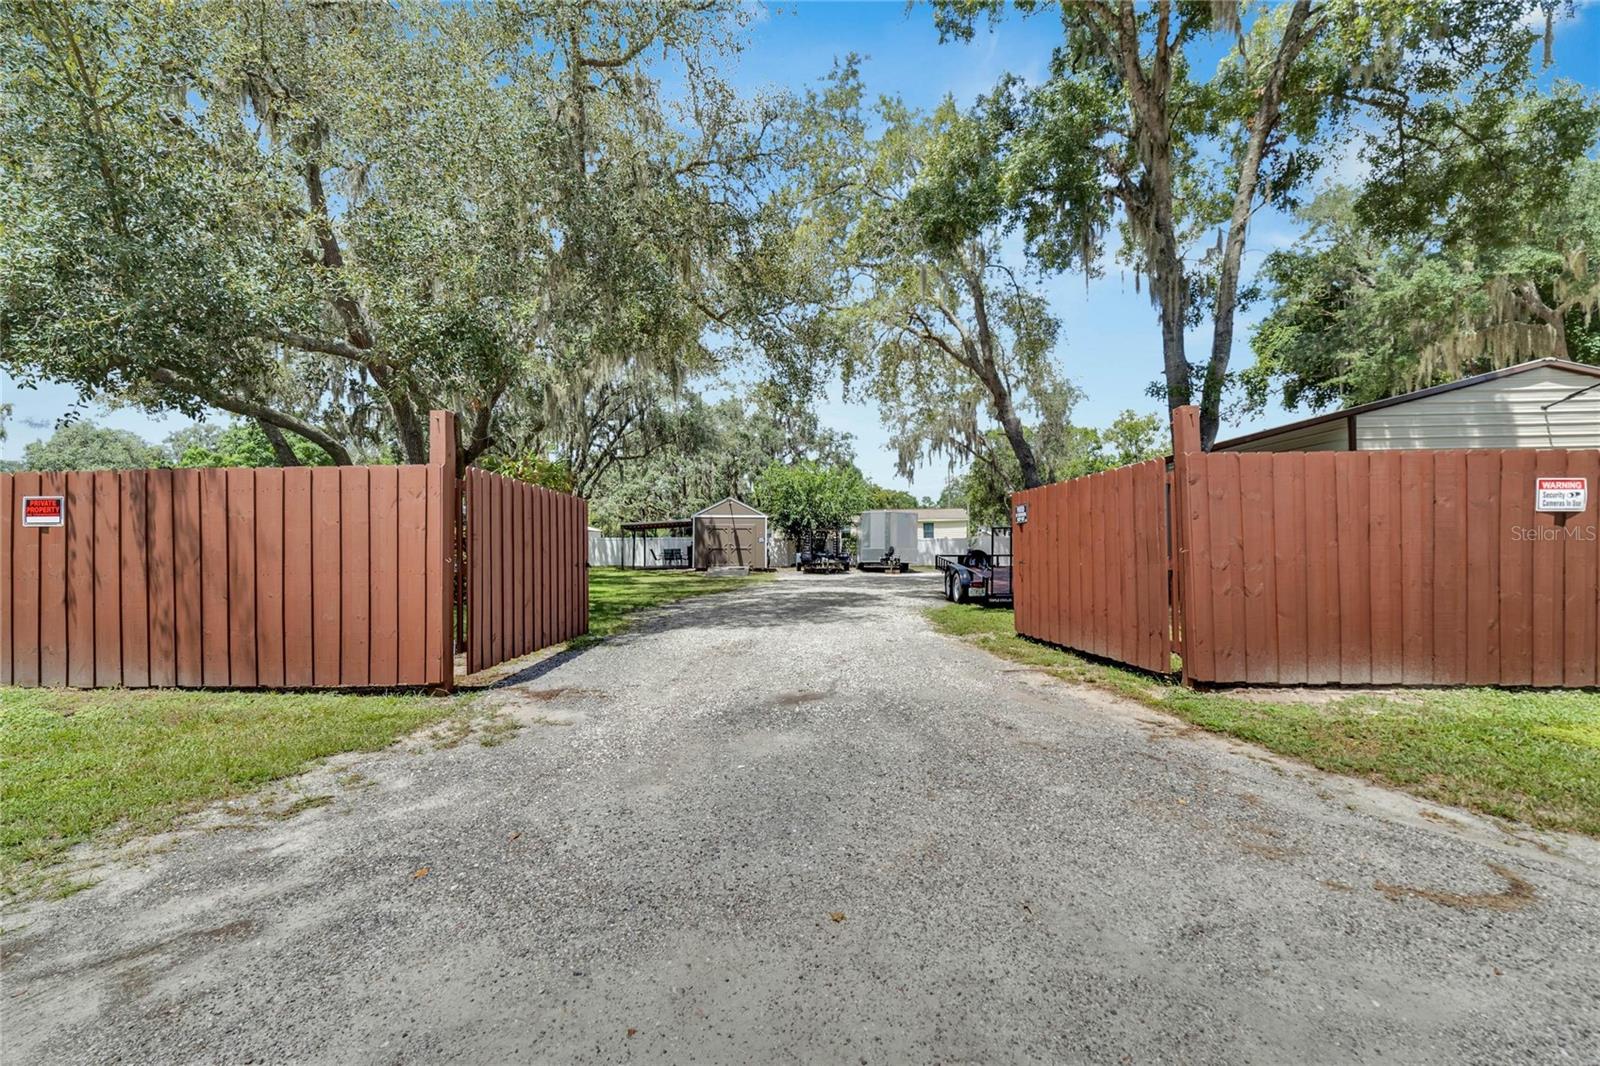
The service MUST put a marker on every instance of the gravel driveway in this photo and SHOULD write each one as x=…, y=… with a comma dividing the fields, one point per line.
x=795, y=824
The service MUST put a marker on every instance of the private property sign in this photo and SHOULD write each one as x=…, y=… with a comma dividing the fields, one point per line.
x=1561, y=495
x=44, y=511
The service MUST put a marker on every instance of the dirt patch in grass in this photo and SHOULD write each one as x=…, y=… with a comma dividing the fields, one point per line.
x=545, y=695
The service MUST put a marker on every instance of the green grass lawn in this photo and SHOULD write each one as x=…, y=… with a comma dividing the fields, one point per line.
x=1532, y=756
x=74, y=764
x=614, y=594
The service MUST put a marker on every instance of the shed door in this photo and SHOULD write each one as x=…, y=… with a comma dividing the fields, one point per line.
x=730, y=545
x=733, y=543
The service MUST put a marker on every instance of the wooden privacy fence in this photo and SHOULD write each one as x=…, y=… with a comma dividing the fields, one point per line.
x=1093, y=557
x=1403, y=567
x=528, y=571
x=258, y=578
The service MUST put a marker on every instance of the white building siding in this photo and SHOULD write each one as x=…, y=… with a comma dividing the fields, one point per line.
x=1502, y=413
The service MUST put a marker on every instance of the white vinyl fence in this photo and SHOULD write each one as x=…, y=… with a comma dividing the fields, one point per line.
x=628, y=551
x=632, y=551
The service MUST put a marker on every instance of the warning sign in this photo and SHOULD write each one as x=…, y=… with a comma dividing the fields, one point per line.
x=1562, y=495
x=44, y=511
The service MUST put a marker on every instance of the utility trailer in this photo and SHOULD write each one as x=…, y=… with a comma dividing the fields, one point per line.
x=821, y=553
x=976, y=574
x=883, y=535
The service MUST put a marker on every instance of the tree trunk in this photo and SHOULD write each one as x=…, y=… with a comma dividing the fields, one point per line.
x=1006, y=414
x=1261, y=124
x=1528, y=293
x=1150, y=203
x=281, y=448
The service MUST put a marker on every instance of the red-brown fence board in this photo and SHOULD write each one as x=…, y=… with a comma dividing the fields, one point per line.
x=51, y=602
x=1087, y=575
x=134, y=571
x=188, y=643
x=1549, y=571
x=326, y=583
x=1260, y=585
x=8, y=532
x=299, y=614
x=527, y=575
x=383, y=526
x=269, y=577
x=230, y=578
x=241, y=523
x=1322, y=573
x=1581, y=618
x=80, y=579
x=1420, y=567
x=159, y=578
x=355, y=576
x=214, y=614
x=1416, y=567
x=411, y=597
x=1289, y=566
x=1352, y=520
x=1385, y=565
x=1483, y=560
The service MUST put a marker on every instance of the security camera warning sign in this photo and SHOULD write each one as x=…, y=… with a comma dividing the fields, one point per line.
x=44, y=510
x=1561, y=495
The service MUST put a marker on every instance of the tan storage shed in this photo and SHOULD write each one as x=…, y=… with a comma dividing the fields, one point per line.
x=730, y=533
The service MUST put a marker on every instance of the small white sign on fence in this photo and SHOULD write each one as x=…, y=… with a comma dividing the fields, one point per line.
x=1561, y=495
x=44, y=511
x=1022, y=514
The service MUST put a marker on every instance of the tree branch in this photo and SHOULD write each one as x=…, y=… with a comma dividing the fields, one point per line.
x=239, y=405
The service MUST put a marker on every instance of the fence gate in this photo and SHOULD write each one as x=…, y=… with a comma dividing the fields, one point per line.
x=526, y=569
x=1090, y=565
x=1399, y=567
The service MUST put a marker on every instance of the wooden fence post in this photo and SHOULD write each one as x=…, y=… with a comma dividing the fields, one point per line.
x=447, y=513
x=1185, y=439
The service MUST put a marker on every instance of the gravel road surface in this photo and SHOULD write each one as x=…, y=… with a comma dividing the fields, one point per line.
x=795, y=824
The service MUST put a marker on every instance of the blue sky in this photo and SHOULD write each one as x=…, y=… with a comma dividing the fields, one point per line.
x=1110, y=342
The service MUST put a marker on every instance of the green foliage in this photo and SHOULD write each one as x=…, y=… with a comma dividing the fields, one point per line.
x=882, y=499
x=1358, y=315
x=82, y=445
x=985, y=489
x=1129, y=130
x=802, y=499
x=946, y=334
x=683, y=456
x=241, y=444
x=334, y=217
x=531, y=467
